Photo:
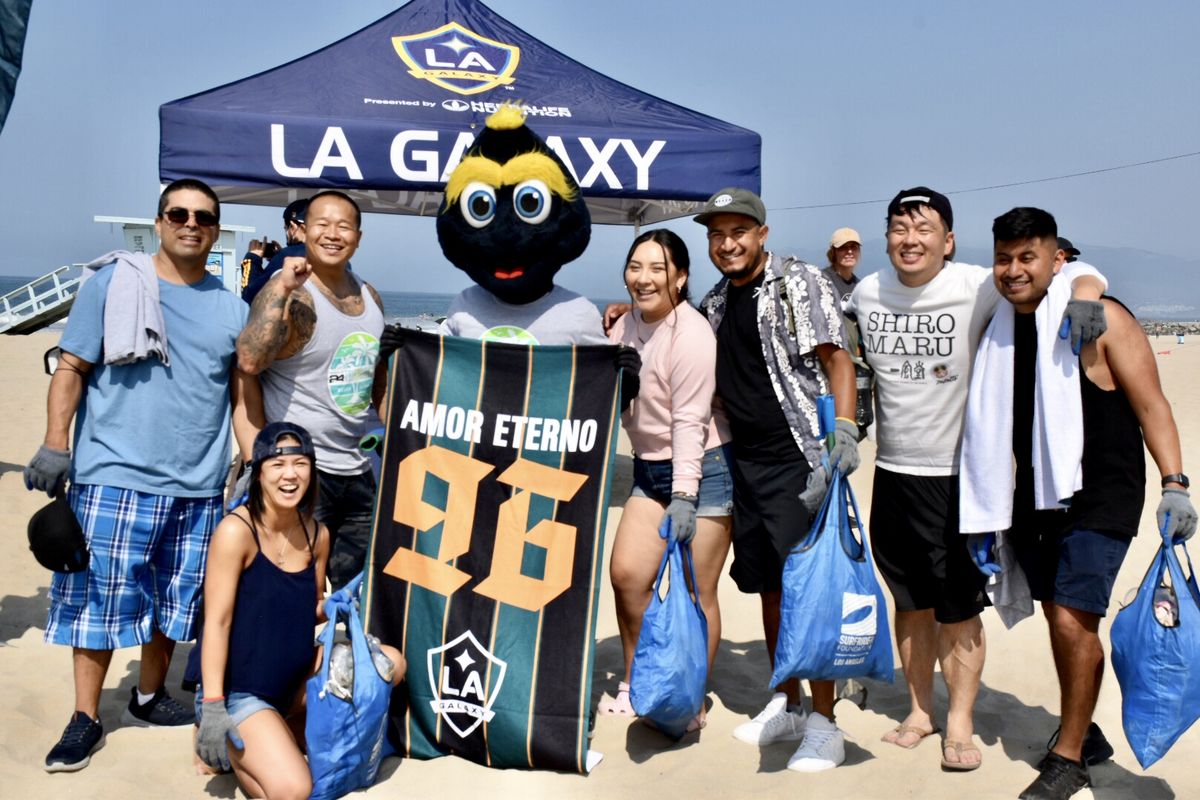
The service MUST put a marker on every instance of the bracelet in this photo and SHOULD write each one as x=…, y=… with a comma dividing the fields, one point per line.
x=844, y=419
x=691, y=498
x=218, y=699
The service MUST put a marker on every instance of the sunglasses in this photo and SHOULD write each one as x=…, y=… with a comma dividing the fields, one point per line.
x=179, y=216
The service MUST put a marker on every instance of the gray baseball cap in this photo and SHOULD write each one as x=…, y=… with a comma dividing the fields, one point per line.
x=733, y=201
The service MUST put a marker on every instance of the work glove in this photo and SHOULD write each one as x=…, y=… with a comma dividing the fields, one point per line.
x=1082, y=322
x=628, y=364
x=390, y=341
x=1176, y=515
x=814, y=490
x=241, y=487
x=216, y=731
x=682, y=511
x=843, y=456
x=982, y=549
x=47, y=470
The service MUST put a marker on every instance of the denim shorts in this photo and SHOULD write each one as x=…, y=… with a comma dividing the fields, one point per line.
x=652, y=479
x=1070, y=567
x=240, y=705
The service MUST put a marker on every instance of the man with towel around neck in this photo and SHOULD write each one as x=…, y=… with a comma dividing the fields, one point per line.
x=1075, y=423
x=920, y=325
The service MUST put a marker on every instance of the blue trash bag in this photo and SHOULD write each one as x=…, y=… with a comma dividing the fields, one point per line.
x=1158, y=666
x=670, y=665
x=833, y=616
x=346, y=738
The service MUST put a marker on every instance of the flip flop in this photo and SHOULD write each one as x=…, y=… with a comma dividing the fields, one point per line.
x=959, y=748
x=903, y=730
x=618, y=706
x=697, y=722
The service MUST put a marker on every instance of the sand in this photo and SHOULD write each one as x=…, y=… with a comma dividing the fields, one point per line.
x=1015, y=715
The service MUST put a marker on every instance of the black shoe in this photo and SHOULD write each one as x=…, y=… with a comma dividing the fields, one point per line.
x=1095, y=750
x=82, y=737
x=1059, y=778
x=162, y=711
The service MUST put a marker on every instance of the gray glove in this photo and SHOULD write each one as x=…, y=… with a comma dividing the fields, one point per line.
x=47, y=470
x=682, y=511
x=844, y=454
x=216, y=730
x=1176, y=515
x=814, y=490
x=1083, y=322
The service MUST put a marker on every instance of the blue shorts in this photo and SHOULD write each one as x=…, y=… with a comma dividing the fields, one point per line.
x=1071, y=567
x=240, y=705
x=652, y=479
x=145, y=573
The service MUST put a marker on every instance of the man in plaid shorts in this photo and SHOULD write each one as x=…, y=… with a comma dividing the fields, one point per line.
x=152, y=419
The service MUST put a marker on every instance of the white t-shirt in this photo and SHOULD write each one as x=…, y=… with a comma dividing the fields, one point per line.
x=921, y=343
x=558, y=317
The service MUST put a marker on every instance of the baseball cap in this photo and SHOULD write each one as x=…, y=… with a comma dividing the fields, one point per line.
x=295, y=211
x=1065, y=245
x=923, y=195
x=733, y=201
x=266, y=444
x=843, y=236
x=56, y=538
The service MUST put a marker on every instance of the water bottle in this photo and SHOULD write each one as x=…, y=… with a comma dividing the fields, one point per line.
x=341, y=671
x=383, y=664
x=1166, y=606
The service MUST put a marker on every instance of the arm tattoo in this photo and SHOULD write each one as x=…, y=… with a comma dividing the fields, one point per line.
x=266, y=330
x=302, y=319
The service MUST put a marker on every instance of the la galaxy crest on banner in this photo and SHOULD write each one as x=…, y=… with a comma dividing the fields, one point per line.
x=459, y=696
x=458, y=59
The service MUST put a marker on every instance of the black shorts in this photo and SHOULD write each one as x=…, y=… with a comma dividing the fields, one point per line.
x=1068, y=566
x=918, y=548
x=768, y=521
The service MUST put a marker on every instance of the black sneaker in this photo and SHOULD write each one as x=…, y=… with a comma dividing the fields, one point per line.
x=162, y=711
x=1059, y=779
x=1095, y=750
x=82, y=737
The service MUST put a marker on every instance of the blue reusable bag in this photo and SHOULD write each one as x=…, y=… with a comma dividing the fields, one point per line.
x=1158, y=667
x=345, y=738
x=670, y=665
x=833, y=617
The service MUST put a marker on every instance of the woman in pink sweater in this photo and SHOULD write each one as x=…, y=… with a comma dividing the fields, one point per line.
x=681, y=463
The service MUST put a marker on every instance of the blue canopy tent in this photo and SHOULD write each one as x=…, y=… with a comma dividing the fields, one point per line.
x=386, y=113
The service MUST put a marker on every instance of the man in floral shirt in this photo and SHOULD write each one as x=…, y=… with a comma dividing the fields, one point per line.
x=780, y=344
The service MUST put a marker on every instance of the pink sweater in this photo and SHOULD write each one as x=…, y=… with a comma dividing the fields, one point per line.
x=673, y=416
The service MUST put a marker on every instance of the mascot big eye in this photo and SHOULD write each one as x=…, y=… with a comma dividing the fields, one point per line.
x=513, y=213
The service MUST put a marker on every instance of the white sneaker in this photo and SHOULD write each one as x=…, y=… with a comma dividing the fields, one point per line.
x=775, y=723
x=824, y=746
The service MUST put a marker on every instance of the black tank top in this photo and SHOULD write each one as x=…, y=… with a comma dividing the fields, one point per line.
x=1114, y=465
x=271, y=639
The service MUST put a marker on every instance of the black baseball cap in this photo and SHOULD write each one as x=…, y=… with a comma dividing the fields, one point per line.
x=1065, y=245
x=733, y=201
x=266, y=444
x=56, y=538
x=922, y=196
x=295, y=211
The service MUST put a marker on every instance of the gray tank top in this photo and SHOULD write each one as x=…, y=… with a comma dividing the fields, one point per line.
x=326, y=387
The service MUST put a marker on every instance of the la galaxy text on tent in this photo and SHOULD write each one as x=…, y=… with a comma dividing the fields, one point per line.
x=414, y=157
x=546, y=434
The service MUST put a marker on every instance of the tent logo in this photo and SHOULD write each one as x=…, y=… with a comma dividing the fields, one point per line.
x=458, y=59
x=458, y=693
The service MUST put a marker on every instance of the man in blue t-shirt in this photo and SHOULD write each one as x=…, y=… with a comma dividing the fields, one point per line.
x=152, y=439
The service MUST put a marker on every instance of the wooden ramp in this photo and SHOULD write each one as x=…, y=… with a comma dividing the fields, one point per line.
x=40, y=302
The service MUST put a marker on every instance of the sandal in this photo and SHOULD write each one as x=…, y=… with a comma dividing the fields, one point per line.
x=618, y=706
x=904, y=730
x=697, y=722
x=959, y=748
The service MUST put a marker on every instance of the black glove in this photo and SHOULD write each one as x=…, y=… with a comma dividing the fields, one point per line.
x=391, y=341
x=47, y=470
x=682, y=511
x=843, y=456
x=1084, y=322
x=628, y=364
x=216, y=731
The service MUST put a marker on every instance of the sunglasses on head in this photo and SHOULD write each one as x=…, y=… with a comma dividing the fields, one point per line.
x=179, y=216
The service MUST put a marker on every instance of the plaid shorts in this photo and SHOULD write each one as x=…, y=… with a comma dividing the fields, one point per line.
x=145, y=573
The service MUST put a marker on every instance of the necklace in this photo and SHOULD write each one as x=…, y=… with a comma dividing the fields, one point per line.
x=283, y=539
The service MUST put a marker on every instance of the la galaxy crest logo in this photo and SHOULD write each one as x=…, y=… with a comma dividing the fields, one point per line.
x=458, y=59
x=459, y=694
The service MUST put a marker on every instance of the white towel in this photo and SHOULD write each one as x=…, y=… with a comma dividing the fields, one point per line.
x=986, y=471
x=134, y=328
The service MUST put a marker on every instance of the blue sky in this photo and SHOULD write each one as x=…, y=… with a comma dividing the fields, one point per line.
x=854, y=101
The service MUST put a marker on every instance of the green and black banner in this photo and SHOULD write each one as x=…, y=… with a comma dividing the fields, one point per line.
x=485, y=563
